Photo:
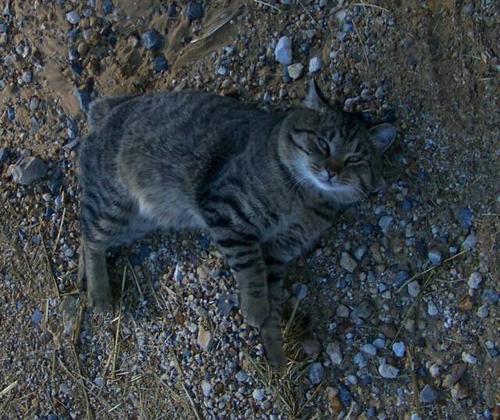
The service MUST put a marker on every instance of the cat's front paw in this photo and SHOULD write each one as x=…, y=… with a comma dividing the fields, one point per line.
x=255, y=311
x=100, y=300
x=275, y=355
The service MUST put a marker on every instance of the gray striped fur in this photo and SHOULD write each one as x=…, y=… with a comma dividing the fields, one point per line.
x=264, y=185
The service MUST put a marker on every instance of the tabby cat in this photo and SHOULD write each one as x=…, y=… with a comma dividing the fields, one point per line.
x=264, y=185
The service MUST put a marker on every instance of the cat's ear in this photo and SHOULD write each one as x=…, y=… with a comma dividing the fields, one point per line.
x=382, y=136
x=315, y=99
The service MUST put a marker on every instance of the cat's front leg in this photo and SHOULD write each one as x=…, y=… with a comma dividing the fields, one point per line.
x=244, y=256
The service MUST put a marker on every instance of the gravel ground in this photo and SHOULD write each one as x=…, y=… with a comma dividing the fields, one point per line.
x=393, y=315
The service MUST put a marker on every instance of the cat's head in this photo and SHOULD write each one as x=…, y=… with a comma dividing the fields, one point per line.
x=332, y=151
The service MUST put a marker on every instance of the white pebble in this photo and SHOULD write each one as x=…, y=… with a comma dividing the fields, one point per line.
x=432, y=309
x=475, y=280
x=414, y=289
x=388, y=371
x=399, y=349
x=469, y=358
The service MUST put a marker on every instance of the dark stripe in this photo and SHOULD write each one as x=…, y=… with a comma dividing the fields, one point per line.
x=216, y=219
x=320, y=214
x=272, y=261
x=236, y=206
x=244, y=253
x=273, y=278
x=298, y=146
x=231, y=243
x=245, y=265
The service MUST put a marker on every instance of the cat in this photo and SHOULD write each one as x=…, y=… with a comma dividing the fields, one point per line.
x=264, y=185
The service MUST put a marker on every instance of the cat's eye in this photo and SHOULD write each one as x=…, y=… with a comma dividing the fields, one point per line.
x=353, y=159
x=323, y=145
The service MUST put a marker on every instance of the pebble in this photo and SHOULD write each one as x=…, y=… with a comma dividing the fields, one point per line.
x=360, y=252
x=400, y=278
x=434, y=370
x=369, y=349
x=432, y=309
x=342, y=311
x=469, y=358
x=465, y=218
x=258, y=394
x=483, y=311
x=34, y=103
x=4, y=155
x=379, y=343
x=428, y=395
x=315, y=65
x=399, y=349
x=241, y=376
x=206, y=387
x=363, y=310
x=488, y=296
x=345, y=395
x=311, y=347
x=28, y=170
x=300, y=291
x=160, y=63
x=107, y=7
x=194, y=10
x=334, y=353
x=73, y=17
x=295, y=70
x=475, y=280
x=152, y=40
x=360, y=360
x=37, y=317
x=11, y=113
x=83, y=98
x=388, y=371
x=283, y=51
x=385, y=223
x=434, y=257
x=414, y=288
x=27, y=76
x=227, y=302
x=470, y=242
x=316, y=373
x=347, y=262
x=204, y=339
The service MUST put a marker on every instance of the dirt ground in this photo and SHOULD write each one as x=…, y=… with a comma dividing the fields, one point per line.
x=424, y=253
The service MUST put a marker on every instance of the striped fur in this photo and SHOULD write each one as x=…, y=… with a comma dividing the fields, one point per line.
x=264, y=185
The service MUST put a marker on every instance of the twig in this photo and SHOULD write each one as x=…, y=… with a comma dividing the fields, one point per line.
x=418, y=275
x=8, y=388
x=290, y=321
x=181, y=374
x=49, y=267
x=78, y=325
x=374, y=6
x=60, y=229
x=136, y=280
x=117, y=334
x=309, y=14
x=217, y=27
x=264, y=3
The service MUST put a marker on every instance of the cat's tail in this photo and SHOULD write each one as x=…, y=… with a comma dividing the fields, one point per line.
x=101, y=108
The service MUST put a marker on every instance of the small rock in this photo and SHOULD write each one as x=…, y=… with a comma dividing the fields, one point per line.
x=342, y=311
x=469, y=358
x=434, y=370
x=414, y=289
x=28, y=170
x=483, y=311
x=11, y=113
x=241, y=376
x=316, y=372
x=315, y=65
x=283, y=51
x=470, y=242
x=334, y=353
x=388, y=371
x=227, y=302
x=347, y=262
x=295, y=70
x=488, y=296
x=194, y=10
x=399, y=349
x=178, y=274
x=107, y=7
x=4, y=155
x=345, y=395
x=362, y=311
x=258, y=394
x=360, y=252
x=73, y=17
x=369, y=349
x=83, y=98
x=432, y=309
x=206, y=387
x=459, y=391
x=465, y=218
x=152, y=40
x=160, y=63
x=379, y=343
x=457, y=371
x=34, y=103
x=37, y=317
x=434, y=257
x=428, y=395
x=27, y=76
x=401, y=278
x=311, y=347
x=360, y=360
x=204, y=339
x=299, y=291
x=475, y=280
x=385, y=223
